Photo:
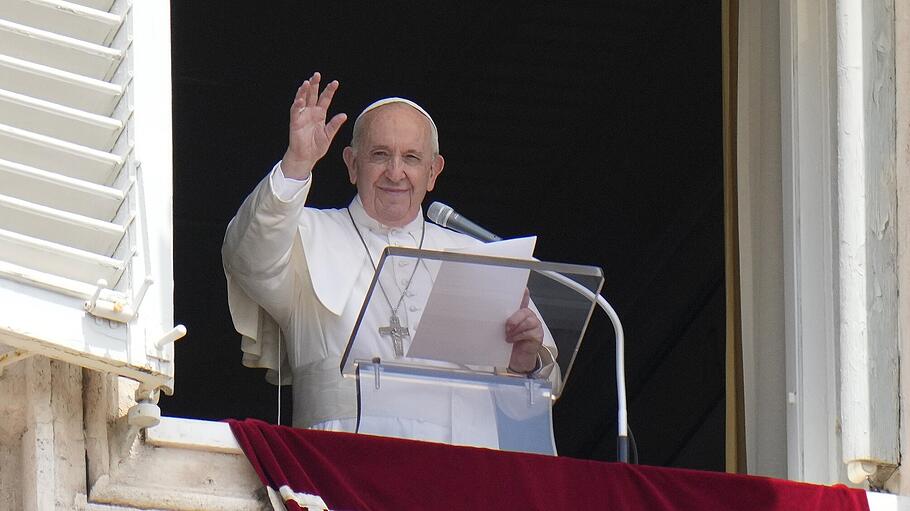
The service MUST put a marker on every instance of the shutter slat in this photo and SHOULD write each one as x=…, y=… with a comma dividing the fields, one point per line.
x=50, y=84
x=53, y=120
x=58, y=156
x=65, y=193
x=62, y=227
x=58, y=51
x=64, y=18
x=101, y=5
x=56, y=283
x=57, y=259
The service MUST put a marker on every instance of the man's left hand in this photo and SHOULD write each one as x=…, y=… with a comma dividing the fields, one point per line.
x=525, y=333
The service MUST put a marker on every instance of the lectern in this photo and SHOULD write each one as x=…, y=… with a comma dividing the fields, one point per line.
x=428, y=349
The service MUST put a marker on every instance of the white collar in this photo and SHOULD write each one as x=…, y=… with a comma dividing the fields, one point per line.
x=364, y=220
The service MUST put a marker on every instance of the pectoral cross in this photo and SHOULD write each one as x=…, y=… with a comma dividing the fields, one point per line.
x=398, y=334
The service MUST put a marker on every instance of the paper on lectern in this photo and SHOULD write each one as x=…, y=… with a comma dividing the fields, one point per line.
x=465, y=316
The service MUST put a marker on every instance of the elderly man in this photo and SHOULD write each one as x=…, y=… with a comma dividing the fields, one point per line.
x=303, y=273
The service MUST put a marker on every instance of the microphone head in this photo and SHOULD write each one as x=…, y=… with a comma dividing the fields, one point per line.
x=439, y=213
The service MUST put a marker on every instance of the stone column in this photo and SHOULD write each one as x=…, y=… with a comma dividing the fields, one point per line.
x=53, y=446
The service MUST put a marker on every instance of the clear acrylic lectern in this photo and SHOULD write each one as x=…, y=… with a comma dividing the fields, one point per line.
x=429, y=355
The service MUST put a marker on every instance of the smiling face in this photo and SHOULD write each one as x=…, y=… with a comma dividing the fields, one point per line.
x=393, y=163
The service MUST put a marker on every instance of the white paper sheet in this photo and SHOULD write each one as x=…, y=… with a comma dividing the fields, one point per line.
x=465, y=316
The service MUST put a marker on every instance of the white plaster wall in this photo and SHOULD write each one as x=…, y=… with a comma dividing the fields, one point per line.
x=867, y=243
x=902, y=160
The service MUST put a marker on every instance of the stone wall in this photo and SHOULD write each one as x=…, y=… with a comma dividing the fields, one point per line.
x=65, y=444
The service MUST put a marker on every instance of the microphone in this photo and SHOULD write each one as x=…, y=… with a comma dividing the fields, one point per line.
x=445, y=216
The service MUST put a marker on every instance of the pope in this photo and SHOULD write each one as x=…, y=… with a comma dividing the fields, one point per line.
x=297, y=276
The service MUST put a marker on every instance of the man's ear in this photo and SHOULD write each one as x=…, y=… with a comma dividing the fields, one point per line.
x=348, y=156
x=435, y=169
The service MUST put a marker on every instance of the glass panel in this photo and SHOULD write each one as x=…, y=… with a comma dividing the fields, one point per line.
x=467, y=338
x=479, y=410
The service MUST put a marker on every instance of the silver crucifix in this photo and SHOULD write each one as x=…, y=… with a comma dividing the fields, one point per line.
x=398, y=334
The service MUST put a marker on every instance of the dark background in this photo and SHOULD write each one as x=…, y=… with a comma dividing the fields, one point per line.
x=597, y=128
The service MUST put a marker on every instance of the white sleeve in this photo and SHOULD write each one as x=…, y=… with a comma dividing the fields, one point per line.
x=286, y=188
x=257, y=246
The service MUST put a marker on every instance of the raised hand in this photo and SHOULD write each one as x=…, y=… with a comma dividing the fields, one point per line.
x=525, y=333
x=309, y=135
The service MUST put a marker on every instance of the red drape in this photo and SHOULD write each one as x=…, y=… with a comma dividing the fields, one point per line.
x=362, y=472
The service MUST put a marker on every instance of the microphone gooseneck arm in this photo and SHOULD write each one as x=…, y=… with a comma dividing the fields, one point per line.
x=622, y=447
x=445, y=216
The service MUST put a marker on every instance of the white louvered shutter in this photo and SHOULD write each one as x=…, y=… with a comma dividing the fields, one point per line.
x=85, y=185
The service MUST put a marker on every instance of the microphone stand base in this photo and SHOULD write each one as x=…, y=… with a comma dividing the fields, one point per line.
x=622, y=449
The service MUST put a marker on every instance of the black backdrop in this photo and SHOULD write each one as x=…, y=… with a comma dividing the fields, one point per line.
x=597, y=128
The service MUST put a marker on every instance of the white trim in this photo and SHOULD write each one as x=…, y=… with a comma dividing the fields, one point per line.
x=867, y=233
x=305, y=500
x=887, y=502
x=902, y=160
x=150, y=55
x=193, y=434
x=760, y=237
x=807, y=161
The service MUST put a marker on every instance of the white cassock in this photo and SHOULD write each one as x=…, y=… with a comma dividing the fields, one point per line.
x=306, y=272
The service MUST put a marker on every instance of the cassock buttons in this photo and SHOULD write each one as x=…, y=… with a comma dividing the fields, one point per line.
x=413, y=308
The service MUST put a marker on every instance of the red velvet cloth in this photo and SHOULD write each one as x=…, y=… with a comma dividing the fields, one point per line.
x=365, y=472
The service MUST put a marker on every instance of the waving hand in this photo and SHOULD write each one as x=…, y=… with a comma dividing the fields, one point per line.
x=309, y=135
